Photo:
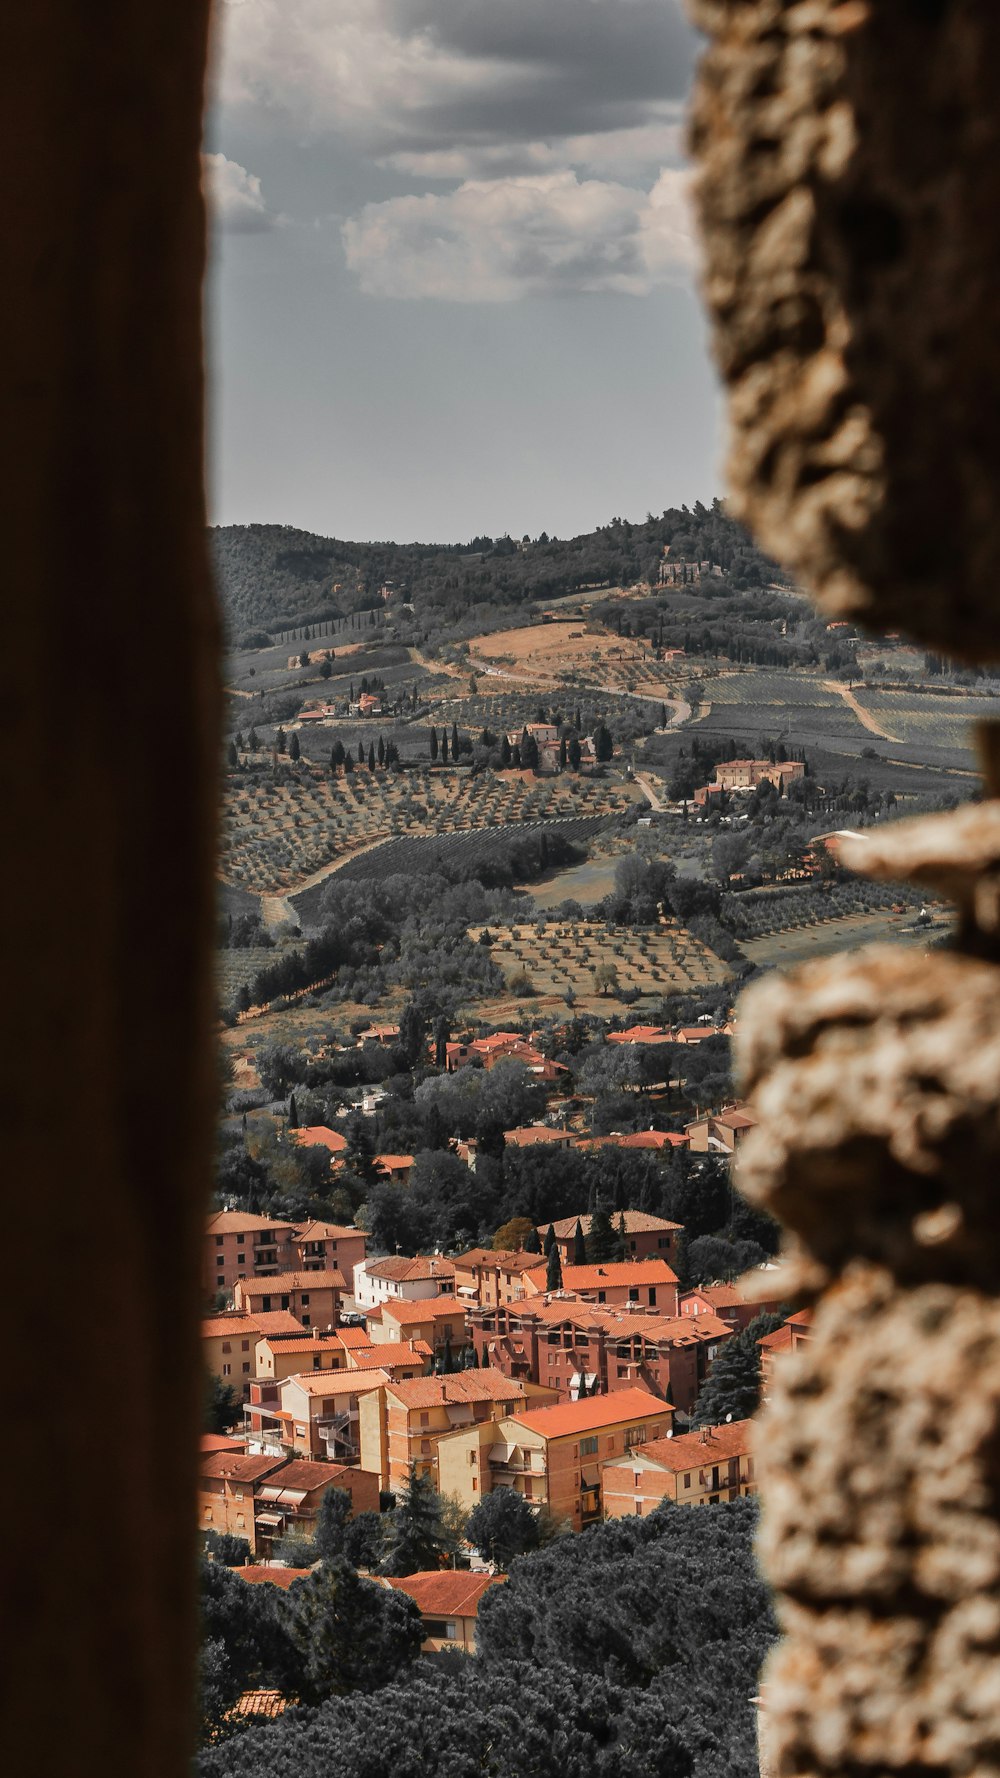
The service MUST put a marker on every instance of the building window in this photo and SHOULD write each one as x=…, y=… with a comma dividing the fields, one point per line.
x=444, y=1629
x=227, y=1370
x=633, y=1295
x=307, y=1320
x=221, y=1279
x=266, y=1303
x=218, y=1240
x=687, y=1481
x=246, y=1367
x=588, y=1447
x=226, y=1347
x=635, y=1435
x=425, y=1419
x=284, y=1302
x=602, y=1296
x=244, y=1345
x=304, y=1299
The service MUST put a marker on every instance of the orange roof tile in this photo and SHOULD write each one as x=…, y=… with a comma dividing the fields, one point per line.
x=434, y=1392
x=233, y=1466
x=326, y=1279
x=445, y=1593
x=327, y=1231
x=612, y=1274
x=637, y=1222
x=387, y=1354
x=302, y=1473
x=429, y=1309
x=397, y=1269
x=594, y=1411
x=319, y=1136
x=338, y=1382
x=236, y=1222
x=690, y=1450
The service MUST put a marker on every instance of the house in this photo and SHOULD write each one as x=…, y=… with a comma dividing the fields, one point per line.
x=386, y=1035
x=287, y=1502
x=438, y=1320
x=695, y=1469
x=650, y=1282
x=728, y=1303
x=314, y=1297
x=581, y=1349
x=448, y=1602
x=238, y=1245
x=228, y=1342
x=396, y=1167
x=795, y=1332
x=328, y=1246
x=311, y=1414
x=397, y=1279
x=646, y=1237
x=537, y=1135
x=720, y=1133
x=319, y=1136
x=640, y=1034
x=226, y=1482
x=552, y=1456
x=312, y=1349
x=401, y=1423
x=493, y=1275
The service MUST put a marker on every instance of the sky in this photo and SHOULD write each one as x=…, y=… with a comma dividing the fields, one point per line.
x=452, y=282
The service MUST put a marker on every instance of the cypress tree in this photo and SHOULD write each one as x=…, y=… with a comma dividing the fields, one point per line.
x=293, y=1114
x=505, y=752
x=602, y=1240
x=232, y=756
x=361, y=753
x=553, y=1270
x=532, y=1244
x=579, y=1245
x=294, y=750
x=434, y=743
x=444, y=746
x=371, y=756
x=381, y=751
x=550, y=1240
x=454, y=740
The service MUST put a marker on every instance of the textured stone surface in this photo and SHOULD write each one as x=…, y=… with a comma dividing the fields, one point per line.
x=880, y=1462
x=849, y=184
x=875, y=1077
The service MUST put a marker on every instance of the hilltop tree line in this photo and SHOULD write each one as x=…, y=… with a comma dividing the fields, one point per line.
x=272, y=577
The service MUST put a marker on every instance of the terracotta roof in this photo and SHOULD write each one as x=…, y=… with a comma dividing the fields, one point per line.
x=654, y=1139
x=393, y=1163
x=527, y=1135
x=217, y=1441
x=398, y=1269
x=640, y=1034
x=306, y=1342
x=327, y=1231
x=233, y=1466
x=637, y=1222
x=261, y=1702
x=484, y=1256
x=320, y=1136
x=594, y=1411
x=338, y=1382
x=387, y=1354
x=429, y=1309
x=219, y=1327
x=236, y=1222
x=720, y=1296
x=446, y=1593
x=353, y=1336
x=778, y=1341
x=326, y=1279
x=434, y=1392
x=735, y=1120
x=278, y=1577
x=691, y=1450
x=612, y=1274
x=301, y=1473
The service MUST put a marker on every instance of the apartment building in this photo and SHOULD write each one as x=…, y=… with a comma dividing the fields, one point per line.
x=492, y=1275
x=553, y=1456
x=239, y=1246
x=228, y=1342
x=287, y=1502
x=728, y=1303
x=401, y=1424
x=439, y=1321
x=313, y=1297
x=327, y=1247
x=226, y=1482
x=312, y=1414
x=694, y=1469
x=649, y=1282
x=581, y=1349
x=720, y=1133
x=396, y=1279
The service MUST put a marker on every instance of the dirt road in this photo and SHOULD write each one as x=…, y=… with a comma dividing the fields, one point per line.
x=864, y=716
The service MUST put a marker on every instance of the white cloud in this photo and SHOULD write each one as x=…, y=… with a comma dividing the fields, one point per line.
x=541, y=235
x=235, y=200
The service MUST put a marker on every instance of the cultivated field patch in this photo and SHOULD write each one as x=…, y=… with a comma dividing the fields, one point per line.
x=556, y=957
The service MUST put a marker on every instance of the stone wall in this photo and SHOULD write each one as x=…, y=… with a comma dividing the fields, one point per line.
x=849, y=166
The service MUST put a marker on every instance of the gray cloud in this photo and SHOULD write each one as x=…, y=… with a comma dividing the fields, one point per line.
x=235, y=200
x=544, y=235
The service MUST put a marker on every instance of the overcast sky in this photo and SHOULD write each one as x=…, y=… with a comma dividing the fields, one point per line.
x=452, y=284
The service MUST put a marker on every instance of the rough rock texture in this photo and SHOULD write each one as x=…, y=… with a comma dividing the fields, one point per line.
x=850, y=180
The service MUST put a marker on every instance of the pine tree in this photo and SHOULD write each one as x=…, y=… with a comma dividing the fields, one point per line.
x=602, y=1240
x=731, y=1391
x=233, y=756
x=553, y=1270
x=579, y=1245
x=334, y=1512
x=418, y=1536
